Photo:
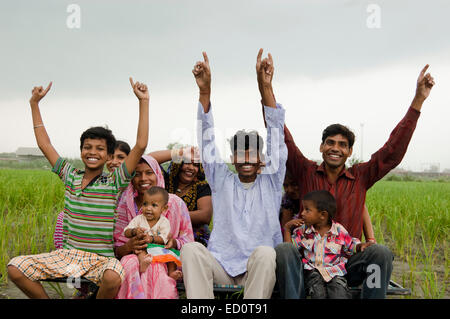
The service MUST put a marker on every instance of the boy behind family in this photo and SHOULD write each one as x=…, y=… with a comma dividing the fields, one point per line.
x=155, y=226
x=324, y=245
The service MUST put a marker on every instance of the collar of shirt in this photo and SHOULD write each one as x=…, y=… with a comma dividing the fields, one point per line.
x=333, y=230
x=345, y=171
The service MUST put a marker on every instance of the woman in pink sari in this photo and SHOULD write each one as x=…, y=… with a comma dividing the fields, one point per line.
x=154, y=283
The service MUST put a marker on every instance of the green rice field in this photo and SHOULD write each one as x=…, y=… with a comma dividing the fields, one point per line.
x=411, y=218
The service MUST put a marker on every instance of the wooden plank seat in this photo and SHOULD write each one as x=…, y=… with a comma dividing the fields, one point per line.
x=230, y=291
x=237, y=290
x=88, y=288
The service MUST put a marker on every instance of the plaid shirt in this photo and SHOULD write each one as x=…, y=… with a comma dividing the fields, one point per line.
x=327, y=254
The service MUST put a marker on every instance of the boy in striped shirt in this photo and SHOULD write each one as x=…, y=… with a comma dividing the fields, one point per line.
x=325, y=246
x=89, y=206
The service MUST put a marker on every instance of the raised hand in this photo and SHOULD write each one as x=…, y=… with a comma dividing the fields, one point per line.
x=425, y=83
x=264, y=69
x=140, y=89
x=202, y=74
x=264, y=74
x=187, y=154
x=38, y=93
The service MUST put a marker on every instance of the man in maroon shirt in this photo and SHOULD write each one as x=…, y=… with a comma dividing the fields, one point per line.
x=373, y=266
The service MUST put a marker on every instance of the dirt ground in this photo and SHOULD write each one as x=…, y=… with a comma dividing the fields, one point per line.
x=402, y=267
x=10, y=291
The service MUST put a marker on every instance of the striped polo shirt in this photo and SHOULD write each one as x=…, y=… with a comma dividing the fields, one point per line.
x=89, y=213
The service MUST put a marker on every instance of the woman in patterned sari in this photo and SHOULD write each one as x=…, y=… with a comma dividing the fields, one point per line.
x=185, y=177
x=154, y=283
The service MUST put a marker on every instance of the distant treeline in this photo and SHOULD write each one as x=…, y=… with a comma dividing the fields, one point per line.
x=35, y=163
x=42, y=164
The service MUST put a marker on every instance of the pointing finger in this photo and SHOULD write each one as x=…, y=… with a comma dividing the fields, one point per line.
x=48, y=87
x=131, y=82
x=424, y=70
x=205, y=57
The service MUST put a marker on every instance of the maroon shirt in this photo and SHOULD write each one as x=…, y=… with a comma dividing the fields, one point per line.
x=352, y=184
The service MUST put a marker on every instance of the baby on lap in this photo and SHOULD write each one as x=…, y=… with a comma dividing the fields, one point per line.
x=156, y=228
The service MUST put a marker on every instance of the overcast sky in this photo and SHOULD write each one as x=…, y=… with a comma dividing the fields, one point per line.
x=336, y=61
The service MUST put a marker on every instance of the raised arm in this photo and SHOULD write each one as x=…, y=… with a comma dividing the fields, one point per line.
x=176, y=155
x=214, y=166
x=264, y=72
x=276, y=152
x=40, y=132
x=393, y=151
x=296, y=162
x=141, y=92
x=202, y=74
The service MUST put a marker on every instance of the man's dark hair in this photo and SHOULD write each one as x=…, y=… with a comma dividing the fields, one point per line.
x=335, y=129
x=242, y=141
x=159, y=190
x=97, y=133
x=324, y=201
x=123, y=146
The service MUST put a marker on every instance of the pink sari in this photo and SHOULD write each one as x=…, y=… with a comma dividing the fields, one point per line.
x=155, y=282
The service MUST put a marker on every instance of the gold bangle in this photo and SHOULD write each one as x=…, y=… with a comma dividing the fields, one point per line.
x=39, y=125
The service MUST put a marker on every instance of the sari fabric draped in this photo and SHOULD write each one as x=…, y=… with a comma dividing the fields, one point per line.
x=154, y=283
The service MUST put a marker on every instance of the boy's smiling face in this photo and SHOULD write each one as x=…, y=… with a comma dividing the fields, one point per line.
x=94, y=153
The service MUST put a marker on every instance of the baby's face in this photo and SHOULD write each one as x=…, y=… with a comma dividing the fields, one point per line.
x=153, y=206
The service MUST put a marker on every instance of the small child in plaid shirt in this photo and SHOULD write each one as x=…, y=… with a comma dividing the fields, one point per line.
x=325, y=246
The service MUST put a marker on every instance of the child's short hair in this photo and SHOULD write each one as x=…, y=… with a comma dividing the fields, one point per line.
x=324, y=201
x=159, y=190
x=243, y=141
x=122, y=146
x=99, y=132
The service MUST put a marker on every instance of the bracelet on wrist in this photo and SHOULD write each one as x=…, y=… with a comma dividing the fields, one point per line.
x=39, y=125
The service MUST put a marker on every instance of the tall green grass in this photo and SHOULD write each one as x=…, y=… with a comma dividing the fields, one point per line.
x=29, y=203
x=411, y=218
